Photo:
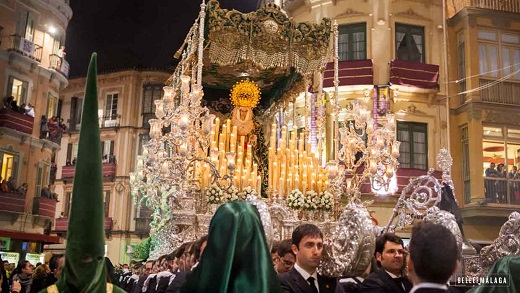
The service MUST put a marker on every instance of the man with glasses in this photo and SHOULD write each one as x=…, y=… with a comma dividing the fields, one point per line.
x=286, y=257
x=390, y=254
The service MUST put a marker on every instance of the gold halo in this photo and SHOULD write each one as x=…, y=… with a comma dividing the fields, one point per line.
x=245, y=93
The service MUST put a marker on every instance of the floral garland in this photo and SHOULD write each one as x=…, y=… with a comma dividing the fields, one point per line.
x=311, y=201
x=217, y=195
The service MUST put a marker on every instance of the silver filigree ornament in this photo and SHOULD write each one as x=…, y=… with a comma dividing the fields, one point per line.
x=446, y=219
x=421, y=194
x=507, y=243
x=349, y=249
x=265, y=217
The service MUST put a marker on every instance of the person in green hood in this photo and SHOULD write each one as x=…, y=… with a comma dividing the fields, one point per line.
x=84, y=269
x=236, y=257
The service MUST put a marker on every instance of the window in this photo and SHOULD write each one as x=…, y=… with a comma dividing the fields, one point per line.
x=25, y=25
x=501, y=161
x=143, y=140
x=42, y=178
x=52, y=106
x=68, y=204
x=76, y=108
x=9, y=165
x=409, y=42
x=352, y=44
x=414, y=145
x=466, y=178
x=72, y=153
x=106, y=202
x=18, y=89
x=56, y=44
x=111, y=107
x=499, y=54
x=107, y=148
x=151, y=92
x=461, y=48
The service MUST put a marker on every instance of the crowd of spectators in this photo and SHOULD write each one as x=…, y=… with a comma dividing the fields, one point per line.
x=12, y=104
x=10, y=186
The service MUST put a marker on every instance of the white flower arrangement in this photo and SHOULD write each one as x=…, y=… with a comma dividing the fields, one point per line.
x=214, y=194
x=232, y=194
x=295, y=199
x=249, y=192
x=326, y=201
x=312, y=201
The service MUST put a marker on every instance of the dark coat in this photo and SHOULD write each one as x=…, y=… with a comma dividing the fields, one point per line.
x=380, y=281
x=139, y=285
x=293, y=282
x=178, y=281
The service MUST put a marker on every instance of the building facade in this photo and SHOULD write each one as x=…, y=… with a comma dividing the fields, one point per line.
x=391, y=60
x=419, y=59
x=126, y=102
x=33, y=71
x=484, y=51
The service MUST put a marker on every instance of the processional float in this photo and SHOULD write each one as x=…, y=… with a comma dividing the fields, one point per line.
x=197, y=159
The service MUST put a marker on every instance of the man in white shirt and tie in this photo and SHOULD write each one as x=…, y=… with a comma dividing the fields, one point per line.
x=307, y=245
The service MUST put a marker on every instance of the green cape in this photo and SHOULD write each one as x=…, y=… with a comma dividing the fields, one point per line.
x=84, y=268
x=236, y=258
x=507, y=266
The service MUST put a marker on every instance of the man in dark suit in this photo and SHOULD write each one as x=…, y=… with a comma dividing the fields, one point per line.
x=389, y=278
x=147, y=269
x=307, y=245
x=433, y=258
x=182, y=276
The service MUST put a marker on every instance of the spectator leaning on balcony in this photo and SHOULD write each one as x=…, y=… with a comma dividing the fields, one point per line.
x=29, y=110
x=10, y=103
x=11, y=184
x=44, y=128
x=490, y=183
x=4, y=187
x=61, y=54
x=22, y=188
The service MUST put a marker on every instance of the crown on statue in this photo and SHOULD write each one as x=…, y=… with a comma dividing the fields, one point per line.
x=245, y=93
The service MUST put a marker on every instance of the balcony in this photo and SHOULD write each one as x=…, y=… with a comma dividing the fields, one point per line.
x=109, y=171
x=51, y=130
x=109, y=121
x=503, y=92
x=45, y=207
x=502, y=190
x=502, y=5
x=59, y=64
x=62, y=224
x=17, y=121
x=414, y=75
x=12, y=202
x=25, y=47
x=403, y=177
x=350, y=73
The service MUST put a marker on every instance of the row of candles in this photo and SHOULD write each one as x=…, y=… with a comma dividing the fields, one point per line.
x=291, y=164
x=230, y=152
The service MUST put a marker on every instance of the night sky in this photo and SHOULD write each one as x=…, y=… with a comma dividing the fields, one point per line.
x=132, y=33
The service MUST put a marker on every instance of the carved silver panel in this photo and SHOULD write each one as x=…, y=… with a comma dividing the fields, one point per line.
x=349, y=249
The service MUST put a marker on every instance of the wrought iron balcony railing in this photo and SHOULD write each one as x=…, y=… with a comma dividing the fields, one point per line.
x=109, y=121
x=59, y=64
x=25, y=47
